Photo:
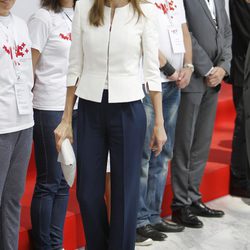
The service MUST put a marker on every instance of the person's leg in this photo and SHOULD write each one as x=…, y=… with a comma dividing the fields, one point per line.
x=143, y=210
x=246, y=98
x=200, y=151
x=61, y=202
x=108, y=188
x=7, y=142
x=201, y=143
x=47, y=235
x=159, y=165
x=6, y=149
x=126, y=127
x=184, y=135
x=108, y=193
x=20, y=144
x=58, y=214
x=239, y=159
x=180, y=166
x=92, y=151
x=145, y=232
x=247, y=128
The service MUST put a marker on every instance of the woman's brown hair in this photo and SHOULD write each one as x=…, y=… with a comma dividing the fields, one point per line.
x=96, y=13
x=53, y=5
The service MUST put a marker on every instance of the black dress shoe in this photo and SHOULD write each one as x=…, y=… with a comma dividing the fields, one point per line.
x=142, y=241
x=185, y=217
x=200, y=209
x=168, y=227
x=149, y=232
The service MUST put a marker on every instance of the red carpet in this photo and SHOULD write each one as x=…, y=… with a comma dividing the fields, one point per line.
x=215, y=182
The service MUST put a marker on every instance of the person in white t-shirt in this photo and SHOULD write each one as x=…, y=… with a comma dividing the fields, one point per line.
x=16, y=120
x=50, y=32
x=176, y=69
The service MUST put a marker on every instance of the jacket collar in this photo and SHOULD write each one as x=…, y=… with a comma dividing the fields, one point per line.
x=207, y=11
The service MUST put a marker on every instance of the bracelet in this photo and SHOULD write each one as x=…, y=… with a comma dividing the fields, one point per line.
x=167, y=69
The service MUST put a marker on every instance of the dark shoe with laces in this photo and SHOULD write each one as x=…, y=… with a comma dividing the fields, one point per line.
x=143, y=241
x=168, y=227
x=185, y=217
x=200, y=209
x=149, y=232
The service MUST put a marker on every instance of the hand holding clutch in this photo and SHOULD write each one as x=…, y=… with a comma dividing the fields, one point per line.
x=68, y=161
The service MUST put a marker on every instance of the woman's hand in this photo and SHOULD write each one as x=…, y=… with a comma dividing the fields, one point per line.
x=158, y=139
x=63, y=131
x=174, y=77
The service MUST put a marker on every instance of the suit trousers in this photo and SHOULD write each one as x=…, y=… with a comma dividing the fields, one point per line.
x=239, y=160
x=118, y=128
x=193, y=136
x=15, y=150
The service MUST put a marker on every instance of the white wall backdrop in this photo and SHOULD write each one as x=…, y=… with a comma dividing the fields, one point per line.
x=24, y=8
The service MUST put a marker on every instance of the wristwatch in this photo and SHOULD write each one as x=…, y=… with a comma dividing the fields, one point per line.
x=189, y=66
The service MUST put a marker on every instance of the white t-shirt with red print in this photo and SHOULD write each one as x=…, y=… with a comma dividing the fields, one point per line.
x=16, y=75
x=170, y=13
x=51, y=35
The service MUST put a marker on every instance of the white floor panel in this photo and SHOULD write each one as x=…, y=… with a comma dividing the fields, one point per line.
x=232, y=232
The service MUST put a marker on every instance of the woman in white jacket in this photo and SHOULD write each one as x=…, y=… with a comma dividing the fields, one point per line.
x=16, y=120
x=108, y=41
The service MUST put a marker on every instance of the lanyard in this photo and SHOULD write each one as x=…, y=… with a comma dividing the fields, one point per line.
x=67, y=18
x=11, y=35
x=70, y=19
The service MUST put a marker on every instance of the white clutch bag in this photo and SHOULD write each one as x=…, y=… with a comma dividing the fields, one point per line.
x=68, y=162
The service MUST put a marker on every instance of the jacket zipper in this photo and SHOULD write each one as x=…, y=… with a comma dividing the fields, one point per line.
x=108, y=50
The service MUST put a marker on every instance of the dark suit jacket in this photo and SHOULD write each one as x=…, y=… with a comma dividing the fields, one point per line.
x=211, y=44
x=240, y=21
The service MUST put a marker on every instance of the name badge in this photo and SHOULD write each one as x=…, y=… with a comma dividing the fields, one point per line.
x=23, y=99
x=177, y=42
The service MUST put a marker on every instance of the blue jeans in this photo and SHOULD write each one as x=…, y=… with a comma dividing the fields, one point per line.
x=50, y=198
x=154, y=169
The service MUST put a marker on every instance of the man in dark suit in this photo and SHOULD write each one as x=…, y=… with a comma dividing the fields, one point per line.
x=240, y=20
x=211, y=38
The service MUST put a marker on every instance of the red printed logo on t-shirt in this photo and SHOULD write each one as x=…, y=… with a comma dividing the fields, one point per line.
x=8, y=50
x=166, y=7
x=20, y=51
x=66, y=37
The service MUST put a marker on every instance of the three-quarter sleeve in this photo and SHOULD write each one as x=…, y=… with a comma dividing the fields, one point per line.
x=150, y=46
x=76, y=50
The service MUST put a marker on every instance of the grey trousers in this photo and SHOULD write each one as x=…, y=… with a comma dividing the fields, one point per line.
x=15, y=150
x=193, y=136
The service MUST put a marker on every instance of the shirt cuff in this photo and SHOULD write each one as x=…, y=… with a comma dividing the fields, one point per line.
x=72, y=80
x=153, y=86
x=209, y=72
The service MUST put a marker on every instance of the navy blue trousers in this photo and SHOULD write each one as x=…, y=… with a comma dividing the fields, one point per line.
x=120, y=129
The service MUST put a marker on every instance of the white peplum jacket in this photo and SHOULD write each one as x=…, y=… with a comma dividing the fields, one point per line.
x=104, y=55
